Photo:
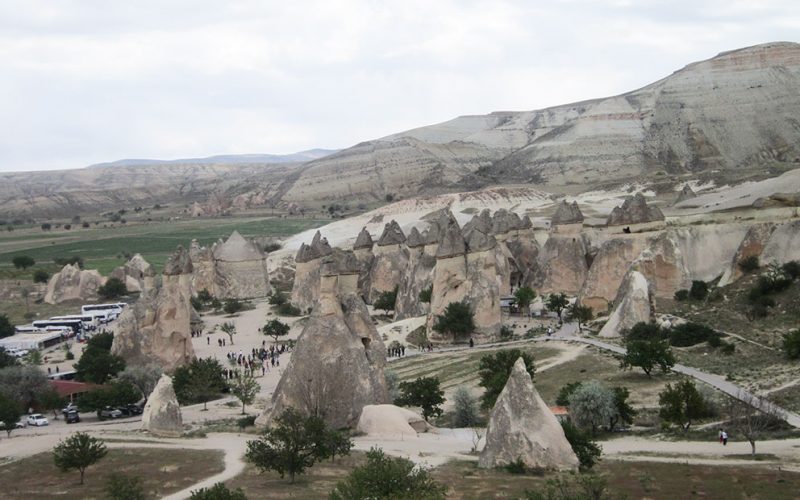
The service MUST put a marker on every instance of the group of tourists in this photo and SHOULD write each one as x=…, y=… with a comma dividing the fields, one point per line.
x=396, y=352
x=262, y=358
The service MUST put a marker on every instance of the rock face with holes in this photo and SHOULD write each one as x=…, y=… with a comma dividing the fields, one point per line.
x=634, y=304
x=156, y=328
x=390, y=263
x=338, y=362
x=521, y=427
x=73, y=283
x=305, y=290
x=162, y=413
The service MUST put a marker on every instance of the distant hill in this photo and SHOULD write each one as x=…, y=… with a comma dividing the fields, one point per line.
x=245, y=159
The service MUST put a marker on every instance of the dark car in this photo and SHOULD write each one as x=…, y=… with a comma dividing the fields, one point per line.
x=130, y=410
x=72, y=417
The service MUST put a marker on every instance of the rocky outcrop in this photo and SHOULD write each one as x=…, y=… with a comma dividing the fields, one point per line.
x=687, y=193
x=783, y=245
x=390, y=421
x=390, y=263
x=521, y=427
x=363, y=252
x=634, y=304
x=156, y=328
x=567, y=213
x=137, y=274
x=162, y=413
x=419, y=277
x=73, y=283
x=751, y=246
x=337, y=365
x=612, y=260
x=634, y=210
x=562, y=265
x=364, y=240
x=240, y=269
x=305, y=290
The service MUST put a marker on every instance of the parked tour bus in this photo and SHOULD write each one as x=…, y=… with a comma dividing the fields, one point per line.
x=75, y=324
x=89, y=321
x=104, y=312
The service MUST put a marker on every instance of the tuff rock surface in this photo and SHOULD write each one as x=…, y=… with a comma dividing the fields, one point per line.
x=73, y=283
x=162, y=413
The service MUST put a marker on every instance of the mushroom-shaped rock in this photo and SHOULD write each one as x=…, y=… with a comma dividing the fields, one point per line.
x=414, y=239
x=392, y=235
x=364, y=240
x=478, y=241
x=634, y=304
x=451, y=242
x=521, y=427
x=390, y=421
x=567, y=213
x=527, y=223
x=634, y=210
x=178, y=263
x=162, y=413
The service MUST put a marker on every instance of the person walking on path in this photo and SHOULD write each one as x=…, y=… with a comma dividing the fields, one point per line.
x=724, y=438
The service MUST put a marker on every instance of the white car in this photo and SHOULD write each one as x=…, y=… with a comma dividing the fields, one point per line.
x=37, y=419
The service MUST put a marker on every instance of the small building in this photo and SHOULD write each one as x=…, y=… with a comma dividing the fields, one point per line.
x=34, y=340
x=561, y=413
x=71, y=390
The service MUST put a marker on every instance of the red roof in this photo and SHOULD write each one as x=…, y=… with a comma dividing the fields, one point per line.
x=559, y=410
x=66, y=388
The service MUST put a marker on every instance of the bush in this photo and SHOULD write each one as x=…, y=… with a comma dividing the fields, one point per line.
x=689, y=334
x=386, y=301
x=791, y=344
x=457, y=320
x=119, y=487
x=749, y=264
x=113, y=289
x=425, y=295
x=423, y=392
x=6, y=328
x=385, y=477
x=506, y=333
x=516, y=467
x=277, y=299
x=218, y=492
x=792, y=269
x=288, y=309
x=465, y=408
x=682, y=295
x=682, y=404
x=699, y=290
x=244, y=422
x=494, y=370
x=23, y=261
x=587, y=451
x=41, y=276
x=232, y=306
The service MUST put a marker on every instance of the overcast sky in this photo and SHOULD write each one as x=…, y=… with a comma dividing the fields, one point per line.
x=88, y=81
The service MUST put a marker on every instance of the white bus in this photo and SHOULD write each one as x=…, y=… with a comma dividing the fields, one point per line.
x=75, y=325
x=104, y=312
x=89, y=321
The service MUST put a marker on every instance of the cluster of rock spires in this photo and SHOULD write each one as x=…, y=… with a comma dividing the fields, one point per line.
x=232, y=269
x=615, y=271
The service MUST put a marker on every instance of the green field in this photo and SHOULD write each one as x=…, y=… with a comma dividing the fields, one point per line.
x=105, y=248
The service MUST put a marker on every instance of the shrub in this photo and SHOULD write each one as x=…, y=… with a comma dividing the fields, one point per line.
x=119, y=487
x=682, y=295
x=247, y=421
x=41, y=276
x=749, y=264
x=113, y=289
x=792, y=269
x=516, y=467
x=218, y=492
x=425, y=295
x=791, y=344
x=23, y=261
x=506, y=333
x=277, y=299
x=288, y=309
x=6, y=328
x=682, y=404
x=699, y=290
x=465, y=408
x=386, y=301
x=689, y=334
x=423, y=392
x=494, y=370
x=232, y=306
x=587, y=451
x=457, y=320
x=565, y=392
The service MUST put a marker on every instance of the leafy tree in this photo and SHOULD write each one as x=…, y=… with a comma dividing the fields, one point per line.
x=562, y=399
x=275, y=329
x=218, y=492
x=205, y=296
x=23, y=261
x=50, y=400
x=423, y=392
x=457, y=320
x=494, y=370
x=72, y=260
x=392, y=384
x=41, y=276
x=385, y=477
x=751, y=416
x=624, y=411
x=34, y=357
x=386, y=301
x=78, y=451
x=681, y=404
x=288, y=309
x=749, y=264
x=46, y=226
x=524, y=296
x=580, y=313
x=277, y=299
x=97, y=364
x=117, y=393
x=113, y=289
x=647, y=354
x=699, y=290
x=791, y=344
x=682, y=295
x=425, y=295
x=591, y=405
x=293, y=444
x=232, y=306
x=587, y=451
x=143, y=377
x=245, y=388
x=6, y=328
x=121, y=487
x=557, y=302
x=23, y=384
x=6, y=359
x=10, y=411
x=465, y=408
x=792, y=269
x=199, y=381
x=228, y=328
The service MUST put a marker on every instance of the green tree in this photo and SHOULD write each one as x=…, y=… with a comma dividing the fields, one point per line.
x=199, y=381
x=791, y=344
x=749, y=264
x=23, y=261
x=6, y=328
x=580, y=313
x=97, y=364
x=50, y=400
x=218, y=492
x=23, y=384
x=457, y=320
x=425, y=295
x=277, y=299
x=624, y=411
x=78, y=451
x=275, y=329
x=41, y=276
x=117, y=393
x=114, y=288
x=6, y=359
x=562, y=399
x=232, y=306
x=524, y=296
x=143, y=377
x=587, y=451
x=384, y=477
x=557, y=302
x=229, y=329
x=294, y=443
x=465, y=408
x=423, y=392
x=592, y=405
x=494, y=370
x=681, y=404
x=10, y=411
x=699, y=290
x=647, y=354
x=245, y=388
x=121, y=487
x=386, y=301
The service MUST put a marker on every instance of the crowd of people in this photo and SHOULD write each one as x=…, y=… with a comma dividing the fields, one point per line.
x=257, y=359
